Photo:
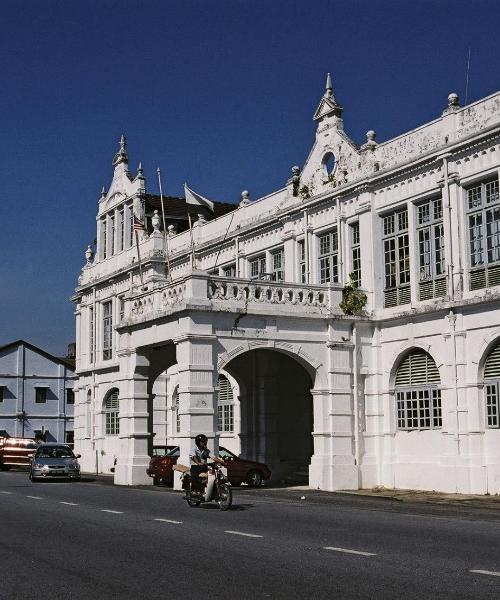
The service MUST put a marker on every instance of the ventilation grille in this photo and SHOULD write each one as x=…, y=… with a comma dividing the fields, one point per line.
x=492, y=366
x=417, y=368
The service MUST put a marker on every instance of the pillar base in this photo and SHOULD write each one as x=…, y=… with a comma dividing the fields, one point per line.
x=333, y=473
x=133, y=473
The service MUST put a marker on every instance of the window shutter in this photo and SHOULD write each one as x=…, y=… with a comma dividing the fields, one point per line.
x=225, y=389
x=112, y=401
x=492, y=366
x=416, y=369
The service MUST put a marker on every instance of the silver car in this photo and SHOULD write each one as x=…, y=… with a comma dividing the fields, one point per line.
x=54, y=461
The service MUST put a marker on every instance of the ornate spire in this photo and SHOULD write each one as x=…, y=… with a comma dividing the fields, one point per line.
x=140, y=172
x=329, y=87
x=328, y=106
x=121, y=155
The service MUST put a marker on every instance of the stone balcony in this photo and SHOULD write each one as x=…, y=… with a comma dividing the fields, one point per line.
x=200, y=291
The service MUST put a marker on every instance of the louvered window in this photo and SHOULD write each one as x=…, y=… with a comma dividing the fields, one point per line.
x=176, y=410
x=396, y=259
x=492, y=387
x=225, y=405
x=483, y=208
x=328, y=257
x=355, y=254
x=430, y=232
x=111, y=411
x=418, y=398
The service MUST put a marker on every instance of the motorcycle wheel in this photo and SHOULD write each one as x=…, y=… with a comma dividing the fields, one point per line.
x=193, y=502
x=225, y=497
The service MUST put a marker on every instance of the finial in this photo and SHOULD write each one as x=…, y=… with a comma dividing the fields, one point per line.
x=121, y=155
x=155, y=221
x=329, y=86
x=245, y=198
x=453, y=104
x=201, y=219
x=171, y=230
x=140, y=171
x=103, y=192
x=89, y=254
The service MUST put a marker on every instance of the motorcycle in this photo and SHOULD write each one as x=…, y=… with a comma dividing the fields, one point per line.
x=213, y=486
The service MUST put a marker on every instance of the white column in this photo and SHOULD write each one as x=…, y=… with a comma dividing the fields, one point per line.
x=133, y=458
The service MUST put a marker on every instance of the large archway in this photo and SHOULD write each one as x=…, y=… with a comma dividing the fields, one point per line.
x=276, y=412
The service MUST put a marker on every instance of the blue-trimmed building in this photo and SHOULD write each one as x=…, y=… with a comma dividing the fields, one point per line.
x=36, y=393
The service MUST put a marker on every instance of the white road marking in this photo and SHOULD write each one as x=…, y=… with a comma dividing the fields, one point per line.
x=349, y=551
x=494, y=573
x=35, y=497
x=115, y=512
x=169, y=521
x=69, y=503
x=252, y=535
x=5, y=492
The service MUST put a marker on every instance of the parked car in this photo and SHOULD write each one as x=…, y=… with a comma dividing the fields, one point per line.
x=161, y=450
x=54, y=461
x=239, y=470
x=16, y=452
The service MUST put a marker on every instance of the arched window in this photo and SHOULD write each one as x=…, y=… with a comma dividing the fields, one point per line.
x=225, y=405
x=177, y=417
x=329, y=163
x=111, y=411
x=491, y=386
x=418, y=398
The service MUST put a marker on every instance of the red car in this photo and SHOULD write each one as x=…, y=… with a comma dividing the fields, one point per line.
x=238, y=469
x=16, y=452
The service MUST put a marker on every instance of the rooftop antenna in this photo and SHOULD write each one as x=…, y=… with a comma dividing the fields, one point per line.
x=467, y=78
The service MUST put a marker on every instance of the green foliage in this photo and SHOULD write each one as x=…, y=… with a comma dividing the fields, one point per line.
x=305, y=192
x=353, y=299
x=330, y=179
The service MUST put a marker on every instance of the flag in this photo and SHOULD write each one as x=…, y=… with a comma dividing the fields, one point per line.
x=138, y=224
x=195, y=199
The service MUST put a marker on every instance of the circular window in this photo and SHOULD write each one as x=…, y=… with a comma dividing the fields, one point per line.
x=329, y=163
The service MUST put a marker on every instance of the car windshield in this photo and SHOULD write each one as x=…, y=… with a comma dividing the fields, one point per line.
x=54, y=452
x=225, y=454
x=173, y=452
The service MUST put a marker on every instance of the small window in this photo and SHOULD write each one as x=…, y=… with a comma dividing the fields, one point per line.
x=229, y=271
x=257, y=267
x=329, y=163
x=70, y=396
x=1, y=393
x=111, y=412
x=40, y=395
x=225, y=406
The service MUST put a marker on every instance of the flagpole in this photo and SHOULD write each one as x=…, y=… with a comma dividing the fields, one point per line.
x=165, y=237
x=139, y=258
x=224, y=239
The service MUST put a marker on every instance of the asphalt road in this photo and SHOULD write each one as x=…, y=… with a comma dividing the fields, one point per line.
x=87, y=540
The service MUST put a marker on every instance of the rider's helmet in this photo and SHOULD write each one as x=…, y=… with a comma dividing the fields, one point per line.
x=201, y=437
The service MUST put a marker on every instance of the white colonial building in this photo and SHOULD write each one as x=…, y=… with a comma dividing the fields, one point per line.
x=236, y=329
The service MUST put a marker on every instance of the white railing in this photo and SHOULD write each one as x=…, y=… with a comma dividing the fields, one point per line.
x=208, y=292
x=267, y=292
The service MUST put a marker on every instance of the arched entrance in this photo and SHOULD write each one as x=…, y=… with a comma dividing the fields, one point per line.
x=276, y=412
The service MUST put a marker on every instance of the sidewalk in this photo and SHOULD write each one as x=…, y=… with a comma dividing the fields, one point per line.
x=303, y=492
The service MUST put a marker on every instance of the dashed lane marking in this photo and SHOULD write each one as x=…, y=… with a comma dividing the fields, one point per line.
x=35, y=497
x=114, y=512
x=2, y=492
x=347, y=551
x=494, y=573
x=69, y=503
x=169, y=521
x=251, y=535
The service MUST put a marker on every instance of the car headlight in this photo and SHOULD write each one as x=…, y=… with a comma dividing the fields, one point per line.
x=37, y=466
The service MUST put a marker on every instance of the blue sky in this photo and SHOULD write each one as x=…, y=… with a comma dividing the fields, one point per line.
x=218, y=93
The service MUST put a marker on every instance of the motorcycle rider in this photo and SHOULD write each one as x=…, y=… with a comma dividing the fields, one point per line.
x=198, y=458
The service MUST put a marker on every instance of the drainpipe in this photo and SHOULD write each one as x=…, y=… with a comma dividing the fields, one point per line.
x=452, y=317
x=306, y=246
x=451, y=267
x=356, y=402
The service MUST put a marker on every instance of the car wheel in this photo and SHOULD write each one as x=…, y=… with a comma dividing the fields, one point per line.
x=156, y=480
x=5, y=467
x=32, y=479
x=254, y=478
x=167, y=481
